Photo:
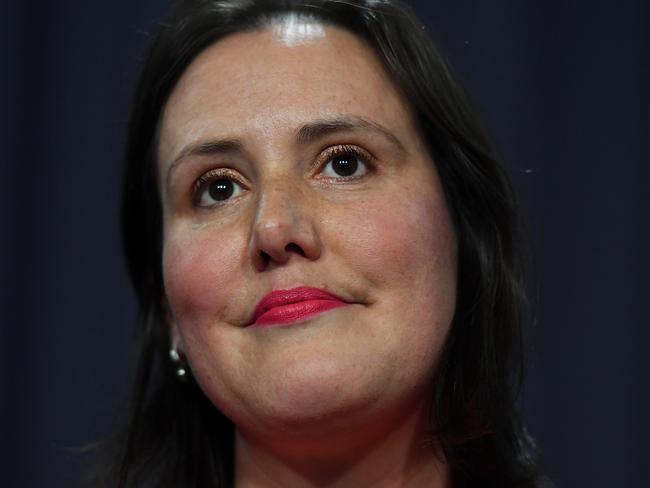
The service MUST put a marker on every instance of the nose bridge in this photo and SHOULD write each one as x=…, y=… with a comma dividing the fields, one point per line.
x=277, y=203
x=282, y=226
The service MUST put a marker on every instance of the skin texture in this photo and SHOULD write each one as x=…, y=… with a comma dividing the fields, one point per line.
x=340, y=399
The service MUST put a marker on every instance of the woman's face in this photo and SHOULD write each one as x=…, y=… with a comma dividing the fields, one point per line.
x=288, y=159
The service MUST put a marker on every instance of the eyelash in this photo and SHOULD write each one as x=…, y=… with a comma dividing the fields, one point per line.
x=332, y=152
x=201, y=184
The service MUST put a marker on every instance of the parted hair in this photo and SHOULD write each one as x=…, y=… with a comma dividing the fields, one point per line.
x=172, y=435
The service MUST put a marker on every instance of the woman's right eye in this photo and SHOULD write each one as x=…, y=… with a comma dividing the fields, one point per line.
x=213, y=190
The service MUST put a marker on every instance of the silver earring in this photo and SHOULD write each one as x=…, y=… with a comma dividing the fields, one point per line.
x=181, y=372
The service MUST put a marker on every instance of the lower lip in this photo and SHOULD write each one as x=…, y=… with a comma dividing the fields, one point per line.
x=295, y=312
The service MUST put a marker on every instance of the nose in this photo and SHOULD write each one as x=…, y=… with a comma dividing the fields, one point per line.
x=283, y=229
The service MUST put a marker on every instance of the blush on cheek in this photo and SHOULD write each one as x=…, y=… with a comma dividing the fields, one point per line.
x=197, y=269
x=406, y=234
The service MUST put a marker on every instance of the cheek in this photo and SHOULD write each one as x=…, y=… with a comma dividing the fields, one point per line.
x=406, y=250
x=198, y=266
x=399, y=242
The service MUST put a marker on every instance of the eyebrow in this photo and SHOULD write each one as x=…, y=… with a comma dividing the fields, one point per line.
x=323, y=127
x=307, y=133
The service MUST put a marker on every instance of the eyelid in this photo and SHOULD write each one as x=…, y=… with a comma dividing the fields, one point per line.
x=323, y=158
x=216, y=173
x=331, y=152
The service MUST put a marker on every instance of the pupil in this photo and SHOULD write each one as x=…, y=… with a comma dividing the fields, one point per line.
x=221, y=189
x=345, y=165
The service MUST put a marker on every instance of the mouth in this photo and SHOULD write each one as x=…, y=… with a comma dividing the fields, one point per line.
x=284, y=307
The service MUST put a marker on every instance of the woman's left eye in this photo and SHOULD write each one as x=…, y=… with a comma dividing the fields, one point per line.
x=345, y=165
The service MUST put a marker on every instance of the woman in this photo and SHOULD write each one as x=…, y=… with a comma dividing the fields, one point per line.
x=326, y=256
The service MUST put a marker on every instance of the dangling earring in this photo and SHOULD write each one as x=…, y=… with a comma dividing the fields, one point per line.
x=181, y=372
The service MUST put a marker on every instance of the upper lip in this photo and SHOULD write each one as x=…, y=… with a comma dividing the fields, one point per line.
x=279, y=298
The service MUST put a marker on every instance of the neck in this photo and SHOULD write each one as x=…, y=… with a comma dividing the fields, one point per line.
x=394, y=452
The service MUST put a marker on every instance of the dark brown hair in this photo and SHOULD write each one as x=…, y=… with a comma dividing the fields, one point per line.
x=173, y=435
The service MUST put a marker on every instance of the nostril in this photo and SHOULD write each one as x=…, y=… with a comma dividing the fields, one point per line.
x=292, y=247
x=265, y=257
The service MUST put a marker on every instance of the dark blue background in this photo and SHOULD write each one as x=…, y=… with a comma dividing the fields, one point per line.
x=564, y=89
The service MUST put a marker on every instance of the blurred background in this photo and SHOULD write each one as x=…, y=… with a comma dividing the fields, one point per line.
x=563, y=87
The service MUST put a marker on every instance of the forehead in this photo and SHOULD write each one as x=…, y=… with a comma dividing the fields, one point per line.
x=263, y=84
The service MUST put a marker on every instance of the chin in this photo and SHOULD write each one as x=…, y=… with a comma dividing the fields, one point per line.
x=315, y=399
x=311, y=420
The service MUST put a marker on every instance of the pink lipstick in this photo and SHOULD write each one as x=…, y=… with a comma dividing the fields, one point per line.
x=283, y=307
